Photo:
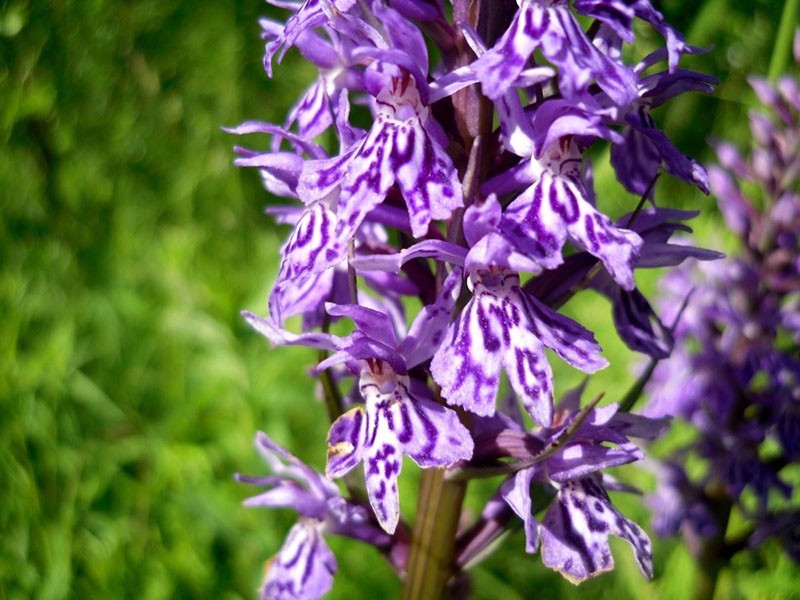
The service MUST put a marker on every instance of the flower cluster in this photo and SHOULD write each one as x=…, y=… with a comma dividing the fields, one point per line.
x=490, y=231
x=735, y=371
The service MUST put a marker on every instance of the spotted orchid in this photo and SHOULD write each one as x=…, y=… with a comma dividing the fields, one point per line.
x=431, y=249
x=502, y=328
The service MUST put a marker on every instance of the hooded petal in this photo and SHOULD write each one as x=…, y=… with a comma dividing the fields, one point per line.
x=346, y=439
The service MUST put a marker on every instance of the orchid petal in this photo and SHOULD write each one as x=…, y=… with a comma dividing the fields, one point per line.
x=346, y=440
x=529, y=371
x=382, y=464
x=438, y=249
x=571, y=341
x=428, y=329
x=516, y=491
x=575, y=532
x=373, y=323
x=280, y=337
x=314, y=245
x=432, y=434
x=557, y=205
x=303, y=568
x=312, y=112
x=426, y=176
x=467, y=366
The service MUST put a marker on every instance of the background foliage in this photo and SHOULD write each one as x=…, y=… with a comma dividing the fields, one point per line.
x=130, y=388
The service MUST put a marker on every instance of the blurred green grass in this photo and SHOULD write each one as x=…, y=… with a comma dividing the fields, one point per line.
x=130, y=388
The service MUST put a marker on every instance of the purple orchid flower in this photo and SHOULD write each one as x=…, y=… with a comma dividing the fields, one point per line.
x=503, y=328
x=428, y=197
x=308, y=15
x=548, y=25
x=619, y=15
x=575, y=529
x=398, y=416
x=556, y=202
x=730, y=375
x=404, y=146
x=317, y=108
x=304, y=566
x=644, y=149
x=677, y=501
x=396, y=420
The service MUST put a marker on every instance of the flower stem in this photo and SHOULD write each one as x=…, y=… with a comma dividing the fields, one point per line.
x=431, y=562
x=782, y=50
x=432, y=553
x=711, y=554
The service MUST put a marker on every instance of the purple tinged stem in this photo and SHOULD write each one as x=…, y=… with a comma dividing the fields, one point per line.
x=432, y=553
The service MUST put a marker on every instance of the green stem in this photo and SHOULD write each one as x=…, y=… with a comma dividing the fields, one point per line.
x=782, y=52
x=713, y=552
x=627, y=403
x=431, y=561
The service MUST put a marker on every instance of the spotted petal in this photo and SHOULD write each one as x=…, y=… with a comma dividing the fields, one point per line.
x=314, y=245
x=575, y=532
x=382, y=463
x=312, y=112
x=426, y=176
x=467, y=365
x=346, y=442
x=527, y=366
x=571, y=341
x=431, y=434
x=504, y=328
x=557, y=205
x=553, y=29
x=303, y=568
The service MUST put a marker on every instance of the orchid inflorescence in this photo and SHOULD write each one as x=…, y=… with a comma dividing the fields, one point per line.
x=492, y=229
x=734, y=374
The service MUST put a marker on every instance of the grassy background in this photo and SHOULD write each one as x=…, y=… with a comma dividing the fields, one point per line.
x=130, y=388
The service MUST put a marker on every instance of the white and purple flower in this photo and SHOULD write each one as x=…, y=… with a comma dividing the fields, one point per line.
x=304, y=566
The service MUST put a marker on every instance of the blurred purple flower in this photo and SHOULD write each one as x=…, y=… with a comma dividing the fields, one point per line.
x=304, y=566
x=735, y=372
